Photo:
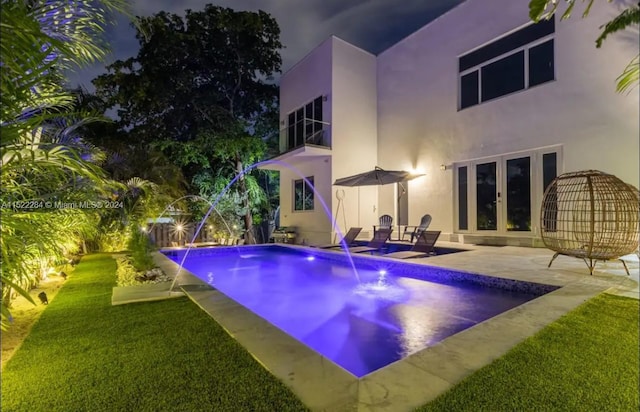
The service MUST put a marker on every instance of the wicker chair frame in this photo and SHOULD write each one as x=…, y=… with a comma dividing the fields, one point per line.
x=590, y=215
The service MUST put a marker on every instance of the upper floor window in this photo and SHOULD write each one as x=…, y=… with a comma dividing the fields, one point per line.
x=303, y=194
x=515, y=62
x=304, y=123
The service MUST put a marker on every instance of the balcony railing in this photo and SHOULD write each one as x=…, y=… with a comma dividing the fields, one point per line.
x=306, y=132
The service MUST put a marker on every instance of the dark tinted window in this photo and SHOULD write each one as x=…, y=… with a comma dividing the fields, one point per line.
x=462, y=199
x=303, y=194
x=299, y=127
x=518, y=178
x=503, y=76
x=486, y=196
x=550, y=172
x=317, y=113
x=541, y=63
x=549, y=168
x=298, y=194
x=308, y=194
x=308, y=121
x=469, y=94
x=291, y=130
x=317, y=108
x=504, y=45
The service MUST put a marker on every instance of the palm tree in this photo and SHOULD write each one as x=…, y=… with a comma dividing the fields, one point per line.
x=39, y=40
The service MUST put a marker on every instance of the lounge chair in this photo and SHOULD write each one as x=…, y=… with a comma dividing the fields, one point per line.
x=422, y=248
x=349, y=238
x=379, y=239
x=416, y=231
x=386, y=222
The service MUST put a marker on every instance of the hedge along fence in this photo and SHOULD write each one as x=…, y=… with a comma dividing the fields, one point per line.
x=167, y=234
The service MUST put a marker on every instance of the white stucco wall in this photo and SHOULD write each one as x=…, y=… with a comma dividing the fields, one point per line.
x=314, y=227
x=346, y=76
x=353, y=102
x=419, y=125
x=308, y=79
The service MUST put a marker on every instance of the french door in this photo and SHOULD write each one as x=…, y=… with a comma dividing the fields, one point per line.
x=500, y=195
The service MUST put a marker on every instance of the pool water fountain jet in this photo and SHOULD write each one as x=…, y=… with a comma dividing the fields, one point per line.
x=241, y=174
x=382, y=289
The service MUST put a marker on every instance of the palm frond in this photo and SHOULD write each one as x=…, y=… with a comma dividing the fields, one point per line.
x=626, y=18
x=629, y=78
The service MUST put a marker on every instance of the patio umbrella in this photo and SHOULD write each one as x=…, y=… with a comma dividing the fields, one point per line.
x=375, y=177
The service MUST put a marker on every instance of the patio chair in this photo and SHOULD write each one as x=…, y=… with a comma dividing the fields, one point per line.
x=422, y=248
x=349, y=238
x=386, y=222
x=416, y=231
x=379, y=239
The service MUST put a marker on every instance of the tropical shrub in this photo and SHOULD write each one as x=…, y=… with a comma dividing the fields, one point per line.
x=140, y=248
x=125, y=272
x=46, y=173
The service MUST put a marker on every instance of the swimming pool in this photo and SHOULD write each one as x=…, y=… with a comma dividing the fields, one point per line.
x=393, y=310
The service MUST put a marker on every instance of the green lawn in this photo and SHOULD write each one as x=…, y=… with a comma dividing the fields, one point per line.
x=586, y=361
x=84, y=354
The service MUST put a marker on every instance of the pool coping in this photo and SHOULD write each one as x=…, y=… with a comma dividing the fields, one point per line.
x=403, y=385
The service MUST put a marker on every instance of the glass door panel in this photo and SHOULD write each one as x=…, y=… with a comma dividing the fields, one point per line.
x=463, y=206
x=486, y=196
x=518, y=190
x=549, y=172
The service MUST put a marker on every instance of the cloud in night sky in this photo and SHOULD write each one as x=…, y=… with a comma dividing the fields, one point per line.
x=373, y=25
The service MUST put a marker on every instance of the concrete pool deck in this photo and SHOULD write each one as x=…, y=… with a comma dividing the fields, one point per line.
x=419, y=378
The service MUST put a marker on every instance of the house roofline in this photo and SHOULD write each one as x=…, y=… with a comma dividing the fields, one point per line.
x=330, y=38
x=422, y=28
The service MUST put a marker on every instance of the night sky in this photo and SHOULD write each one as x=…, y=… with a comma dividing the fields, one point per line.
x=373, y=25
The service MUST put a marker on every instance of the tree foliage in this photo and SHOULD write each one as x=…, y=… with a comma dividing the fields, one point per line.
x=539, y=9
x=199, y=90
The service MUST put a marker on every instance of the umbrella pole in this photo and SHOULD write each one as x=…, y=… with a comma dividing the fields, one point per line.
x=340, y=197
x=344, y=218
x=359, y=206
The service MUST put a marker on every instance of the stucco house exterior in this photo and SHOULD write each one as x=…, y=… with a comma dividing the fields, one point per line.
x=487, y=105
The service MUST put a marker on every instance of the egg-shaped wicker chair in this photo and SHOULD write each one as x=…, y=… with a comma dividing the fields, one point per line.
x=590, y=215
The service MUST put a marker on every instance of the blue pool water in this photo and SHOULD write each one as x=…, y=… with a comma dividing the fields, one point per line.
x=395, y=310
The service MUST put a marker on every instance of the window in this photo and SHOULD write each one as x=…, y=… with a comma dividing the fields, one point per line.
x=303, y=194
x=541, y=63
x=304, y=125
x=469, y=95
x=503, y=66
x=506, y=44
x=503, y=76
